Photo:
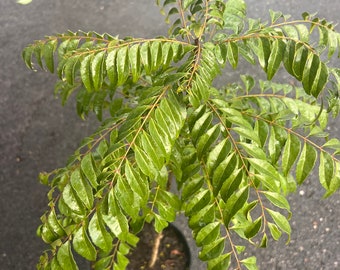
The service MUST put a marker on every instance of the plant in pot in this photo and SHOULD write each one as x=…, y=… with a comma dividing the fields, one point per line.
x=170, y=141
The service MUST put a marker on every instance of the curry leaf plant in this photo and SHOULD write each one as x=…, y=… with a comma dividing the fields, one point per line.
x=232, y=153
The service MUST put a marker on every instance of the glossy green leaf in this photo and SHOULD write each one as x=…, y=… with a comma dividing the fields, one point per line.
x=82, y=188
x=88, y=168
x=306, y=162
x=232, y=54
x=85, y=72
x=150, y=147
x=139, y=185
x=126, y=197
x=167, y=54
x=290, y=153
x=265, y=167
x=299, y=61
x=222, y=262
x=122, y=62
x=146, y=57
x=275, y=58
x=145, y=163
x=281, y=221
x=202, y=217
x=156, y=54
x=98, y=233
x=70, y=69
x=115, y=220
x=54, y=224
x=231, y=184
x=135, y=62
x=221, y=52
x=191, y=187
x=111, y=67
x=253, y=150
x=223, y=171
x=65, y=257
x=234, y=204
x=277, y=199
x=72, y=201
x=218, y=154
x=207, y=140
x=253, y=229
x=263, y=52
x=201, y=126
x=208, y=234
x=326, y=170
x=82, y=244
x=48, y=53
x=212, y=250
x=198, y=202
x=156, y=131
x=97, y=70
x=250, y=263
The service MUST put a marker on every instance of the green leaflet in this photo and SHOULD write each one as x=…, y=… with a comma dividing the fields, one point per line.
x=232, y=54
x=281, y=221
x=82, y=188
x=207, y=139
x=85, y=72
x=167, y=204
x=70, y=68
x=290, y=153
x=54, y=224
x=250, y=263
x=135, y=62
x=200, y=200
x=72, y=201
x=263, y=52
x=139, y=185
x=212, y=250
x=263, y=166
x=234, y=204
x=89, y=170
x=65, y=257
x=111, y=69
x=218, y=154
x=277, y=199
x=126, y=198
x=253, y=229
x=115, y=219
x=275, y=58
x=98, y=233
x=145, y=163
x=201, y=126
x=97, y=65
x=203, y=217
x=208, y=234
x=222, y=262
x=48, y=54
x=122, y=63
x=274, y=230
x=223, y=171
x=82, y=244
x=306, y=162
x=156, y=55
x=326, y=170
x=146, y=57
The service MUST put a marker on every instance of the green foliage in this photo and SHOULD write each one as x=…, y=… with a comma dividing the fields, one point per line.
x=235, y=153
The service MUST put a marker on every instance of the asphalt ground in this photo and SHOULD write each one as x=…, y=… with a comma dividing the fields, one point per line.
x=37, y=134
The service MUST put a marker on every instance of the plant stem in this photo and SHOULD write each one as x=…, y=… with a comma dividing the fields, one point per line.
x=155, y=250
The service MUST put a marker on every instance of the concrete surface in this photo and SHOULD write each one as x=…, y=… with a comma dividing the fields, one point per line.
x=36, y=134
